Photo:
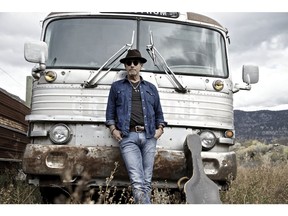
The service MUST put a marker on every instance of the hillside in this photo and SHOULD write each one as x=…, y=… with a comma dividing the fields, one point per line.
x=266, y=126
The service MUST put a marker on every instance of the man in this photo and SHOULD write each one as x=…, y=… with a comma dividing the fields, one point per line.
x=135, y=119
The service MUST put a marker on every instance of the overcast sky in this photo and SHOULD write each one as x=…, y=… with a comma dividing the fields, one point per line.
x=256, y=38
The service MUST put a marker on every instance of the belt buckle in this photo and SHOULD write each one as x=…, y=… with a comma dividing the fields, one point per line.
x=138, y=129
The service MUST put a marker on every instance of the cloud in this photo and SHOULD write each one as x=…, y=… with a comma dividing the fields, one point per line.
x=259, y=39
x=248, y=29
x=16, y=29
x=270, y=92
x=256, y=38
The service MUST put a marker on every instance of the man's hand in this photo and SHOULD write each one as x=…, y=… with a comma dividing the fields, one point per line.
x=158, y=133
x=117, y=135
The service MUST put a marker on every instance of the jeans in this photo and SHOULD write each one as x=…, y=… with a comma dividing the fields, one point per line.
x=138, y=153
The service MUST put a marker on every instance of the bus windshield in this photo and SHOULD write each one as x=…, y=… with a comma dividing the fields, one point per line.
x=90, y=42
x=186, y=49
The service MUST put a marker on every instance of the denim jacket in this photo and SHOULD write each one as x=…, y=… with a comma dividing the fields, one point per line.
x=118, y=111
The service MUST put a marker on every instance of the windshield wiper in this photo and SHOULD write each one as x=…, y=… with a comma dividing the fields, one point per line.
x=153, y=52
x=89, y=83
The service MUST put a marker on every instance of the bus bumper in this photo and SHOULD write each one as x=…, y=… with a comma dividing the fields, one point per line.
x=98, y=162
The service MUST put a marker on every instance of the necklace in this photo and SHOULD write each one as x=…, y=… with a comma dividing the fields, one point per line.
x=135, y=85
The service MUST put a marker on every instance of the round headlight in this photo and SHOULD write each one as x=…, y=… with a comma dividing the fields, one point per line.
x=218, y=85
x=208, y=139
x=60, y=134
x=50, y=76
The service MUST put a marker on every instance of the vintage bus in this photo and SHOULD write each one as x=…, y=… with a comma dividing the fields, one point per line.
x=77, y=60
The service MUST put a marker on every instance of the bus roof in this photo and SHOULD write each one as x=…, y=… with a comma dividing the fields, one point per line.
x=190, y=16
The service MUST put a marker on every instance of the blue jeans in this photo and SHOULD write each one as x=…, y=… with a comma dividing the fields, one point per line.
x=138, y=153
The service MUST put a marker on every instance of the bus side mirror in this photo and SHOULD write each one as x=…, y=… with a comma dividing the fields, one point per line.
x=250, y=74
x=36, y=52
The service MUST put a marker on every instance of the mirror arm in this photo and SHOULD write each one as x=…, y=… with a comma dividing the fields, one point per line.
x=239, y=87
x=248, y=79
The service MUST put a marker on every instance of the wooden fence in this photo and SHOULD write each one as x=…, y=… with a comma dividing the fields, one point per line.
x=13, y=127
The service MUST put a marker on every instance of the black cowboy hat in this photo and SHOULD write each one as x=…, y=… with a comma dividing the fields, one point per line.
x=133, y=54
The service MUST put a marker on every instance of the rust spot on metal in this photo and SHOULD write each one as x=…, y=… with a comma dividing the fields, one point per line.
x=97, y=162
x=169, y=165
x=94, y=161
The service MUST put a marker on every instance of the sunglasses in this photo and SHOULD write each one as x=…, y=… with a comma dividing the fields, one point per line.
x=129, y=62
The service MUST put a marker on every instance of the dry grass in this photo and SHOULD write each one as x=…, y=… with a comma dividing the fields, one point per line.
x=259, y=185
x=14, y=191
x=261, y=179
x=261, y=175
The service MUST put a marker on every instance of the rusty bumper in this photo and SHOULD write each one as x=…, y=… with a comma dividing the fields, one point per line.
x=98, y=162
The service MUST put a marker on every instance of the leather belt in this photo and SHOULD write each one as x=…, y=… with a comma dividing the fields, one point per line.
x=137, y=129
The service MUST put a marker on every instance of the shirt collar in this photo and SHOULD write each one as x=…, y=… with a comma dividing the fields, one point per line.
x=141, y=79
